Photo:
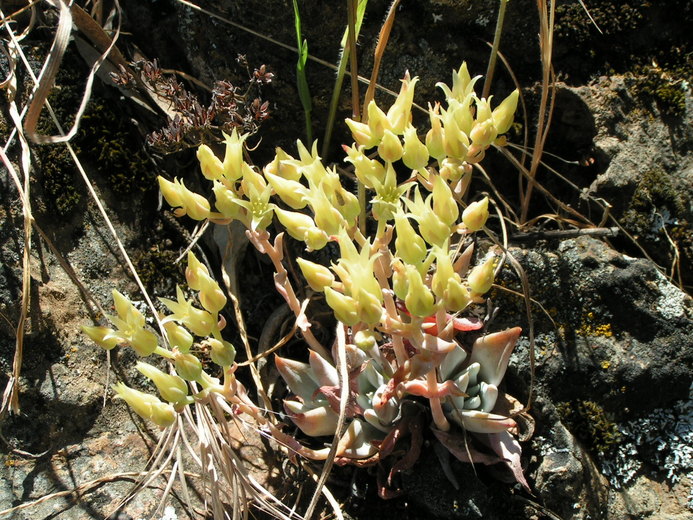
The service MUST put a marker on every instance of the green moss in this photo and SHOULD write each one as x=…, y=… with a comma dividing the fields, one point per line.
x=106, y=139
x=157, y=269
x=105, y=143
x=664, y=87
x=632, y=34
x=657, y=216
x=59, y=178
x=588, y=421
x=612, y=18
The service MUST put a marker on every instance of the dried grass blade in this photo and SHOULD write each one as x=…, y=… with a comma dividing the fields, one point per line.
x=343, y=400
x=383, y=38
x=10, y=398
x=50, y=70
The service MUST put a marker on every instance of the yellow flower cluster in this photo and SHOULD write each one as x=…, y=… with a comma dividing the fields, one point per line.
x=411, y=270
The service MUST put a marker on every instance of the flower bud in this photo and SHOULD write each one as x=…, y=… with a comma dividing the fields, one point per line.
x=475, y=215
x=377, y=121
x=366, y=169
x=223, y=353
x=284, y=166
x=318, y=276
x=143, y=341
x=196, y=272
x=104, y=337
x=226, y=201
x=171, y=192
x=390, y=148
x=211, y=296
x=435, y=138
x=456, y=140
x=172, y=388
x=444, y=205
x=188, y=366
x=233, y=158
x=451, y=170
x=212, y=168
x=483, y=133
x=146, y=406
x=480, y=279
x=345, y=307
x=327, y=217
x=444, y=272
x=296, y=224
x=504, y=113
x=462, y=84
x=362, y=134
x=433, y=229
x=127, y=311
x=178, y=336
x=348, y=205
x=456, y=296
x=419, y=299
x=483, y=109
x=315, y=239
x=400, y=282
x=415, y=155
x=199, y=322
x=370, y=308
x=399, y=114
x=291, y=192
x=409, y=246
x=163, y=414
x=462, y=114
x=365, y=339
x=194, y=205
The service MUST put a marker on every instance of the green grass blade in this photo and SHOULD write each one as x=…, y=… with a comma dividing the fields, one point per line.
x=341, y=72
x=301, y=80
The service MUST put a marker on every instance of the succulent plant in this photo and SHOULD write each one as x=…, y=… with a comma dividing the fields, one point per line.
x=467, y=387
x=402, y=296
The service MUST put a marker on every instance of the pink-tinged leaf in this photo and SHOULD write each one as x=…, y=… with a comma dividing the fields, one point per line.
x=459, y=324
x=423, y=362
x=461, y=265
x=492, y=352
x=296, y=448
x=420, y=388
x=465, y=324
x=430, y=326
x=333, y=394
x=313, y=421
x=325, y=373
x=459, y=446
x=302, y=321
x=358, y=441
x=390, y=390
x=507, y=447
x=298, y=377
x=483, y=422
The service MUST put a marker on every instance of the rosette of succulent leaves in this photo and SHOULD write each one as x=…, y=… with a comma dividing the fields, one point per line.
x=401, y=295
